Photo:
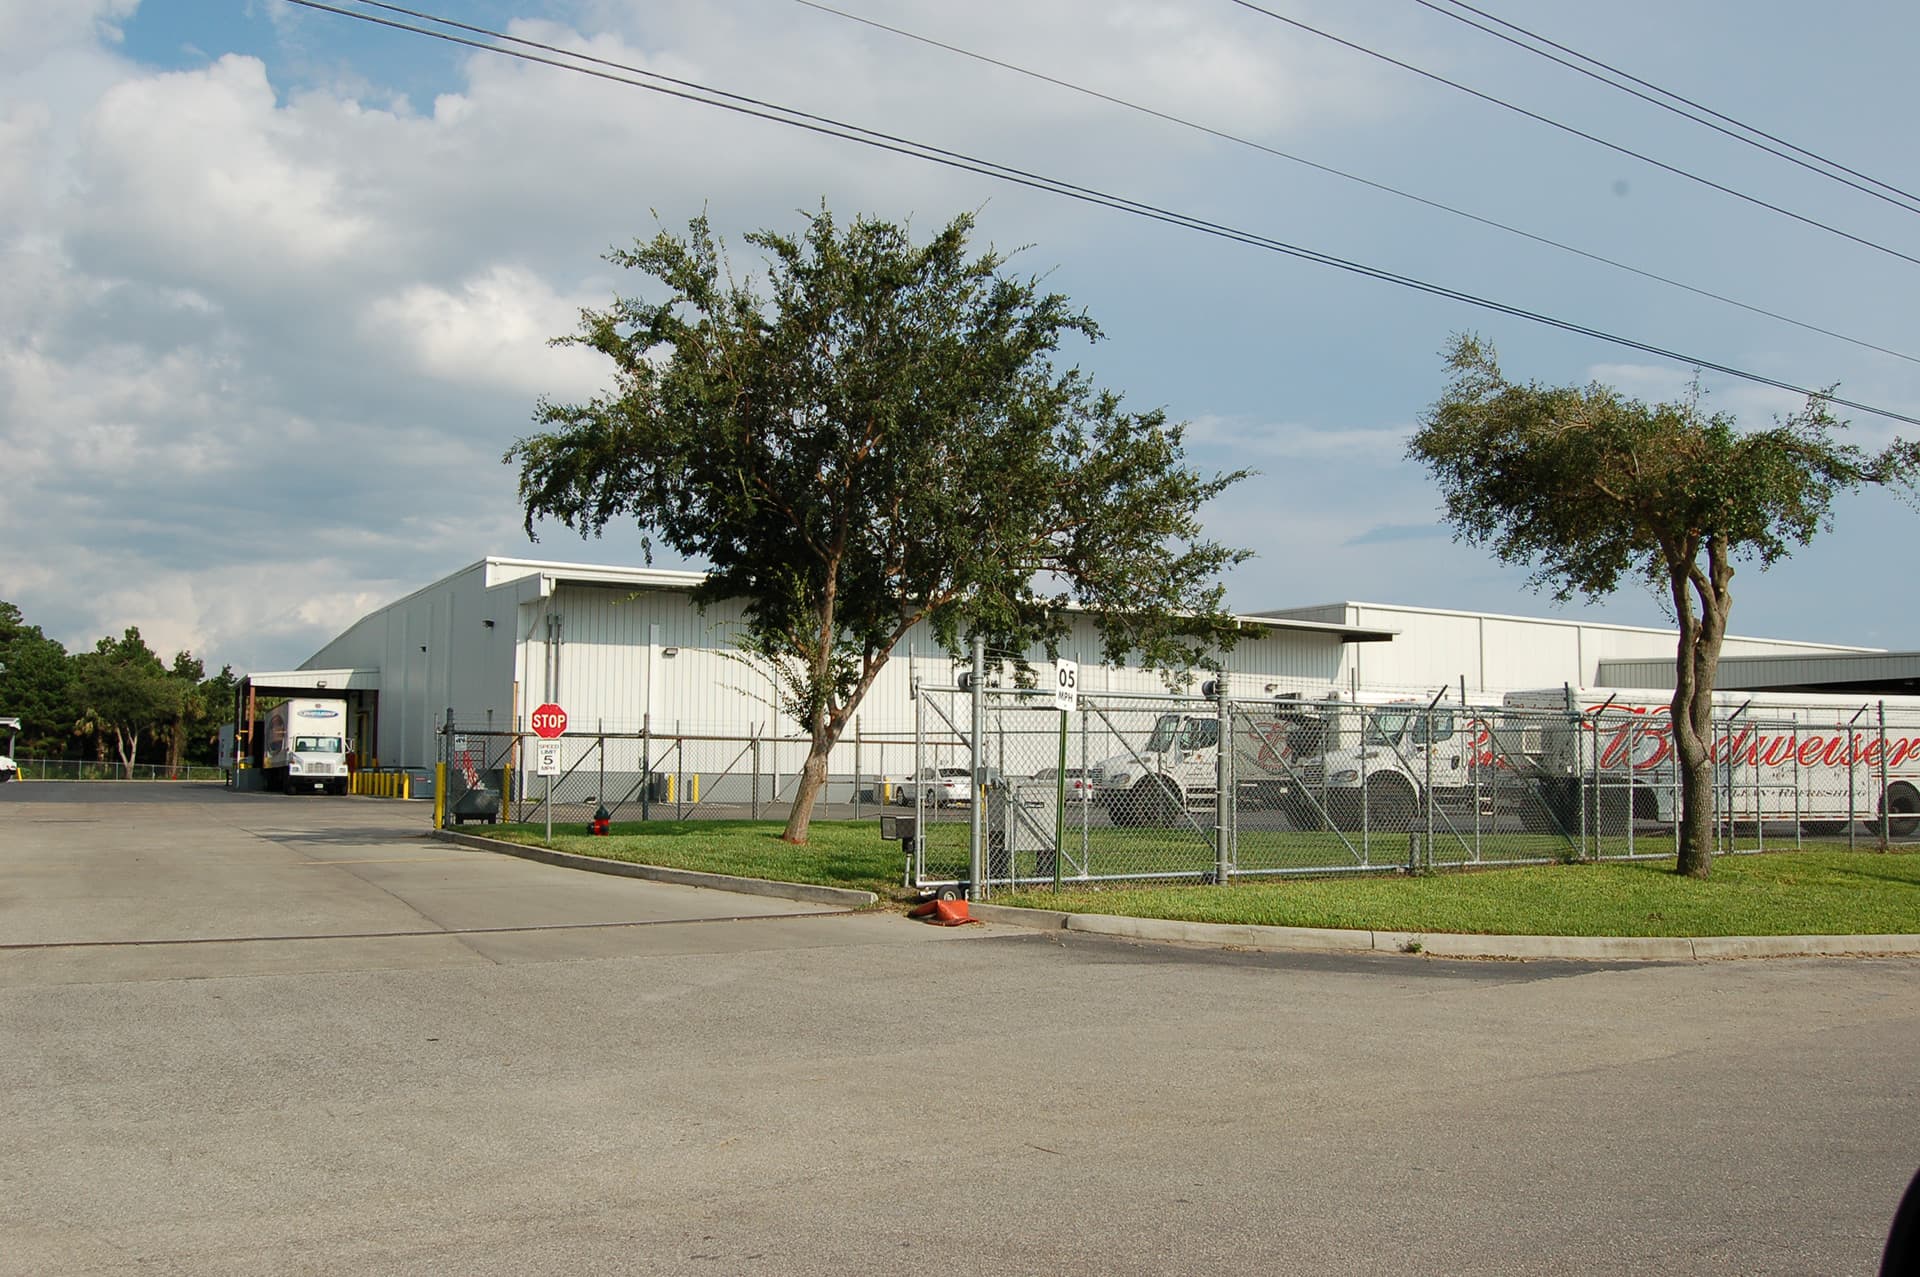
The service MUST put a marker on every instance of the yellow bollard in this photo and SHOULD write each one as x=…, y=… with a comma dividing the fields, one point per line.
x=672, y=785
x=439, y=795
x=695, y=787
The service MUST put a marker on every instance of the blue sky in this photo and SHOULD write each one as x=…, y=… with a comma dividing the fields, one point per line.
x=281, y=281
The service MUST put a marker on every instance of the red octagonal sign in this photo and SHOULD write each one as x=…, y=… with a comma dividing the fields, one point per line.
x=549, y=721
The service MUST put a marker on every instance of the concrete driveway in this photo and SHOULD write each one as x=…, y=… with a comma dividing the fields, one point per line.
x=725, y=1084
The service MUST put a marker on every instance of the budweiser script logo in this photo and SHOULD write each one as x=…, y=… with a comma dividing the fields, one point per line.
x=1646, y=737
x=1643, y=739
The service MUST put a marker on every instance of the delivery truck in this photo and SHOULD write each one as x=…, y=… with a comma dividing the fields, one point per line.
x=304, y=746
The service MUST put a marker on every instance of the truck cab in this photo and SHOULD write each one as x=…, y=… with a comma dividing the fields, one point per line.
x=1174, y=767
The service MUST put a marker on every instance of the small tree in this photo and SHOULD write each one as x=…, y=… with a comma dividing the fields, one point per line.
x=1587, y=486
x=880, y=441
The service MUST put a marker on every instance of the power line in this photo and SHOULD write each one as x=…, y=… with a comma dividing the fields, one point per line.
x=1353, y=177
x=1676, y=97
x=757, y=109
x=1550, y=122
x=1901, y=204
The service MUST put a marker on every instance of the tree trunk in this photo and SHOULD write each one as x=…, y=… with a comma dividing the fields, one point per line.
x=129, y=746
x=813, y=779
x=1696, y=813
x=1696, y=665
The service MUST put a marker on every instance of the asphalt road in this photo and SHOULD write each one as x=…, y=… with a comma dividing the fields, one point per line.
x=256, y=1034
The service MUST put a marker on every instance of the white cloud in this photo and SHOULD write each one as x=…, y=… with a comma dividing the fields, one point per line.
x=200, y=178
x=493, y=331
x=31, y=31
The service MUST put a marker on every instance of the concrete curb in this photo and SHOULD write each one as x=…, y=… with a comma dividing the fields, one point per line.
x=1450, y=945
x=802, y=891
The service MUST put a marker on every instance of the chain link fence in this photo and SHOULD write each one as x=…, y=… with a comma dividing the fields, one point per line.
x=92, y=769
x=1140, y=788
x=644, y=775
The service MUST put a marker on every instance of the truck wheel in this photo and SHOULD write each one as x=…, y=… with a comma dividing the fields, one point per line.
x=1390, y=808
x=1167, y=803
x=1902, y=805
x=1144, y=804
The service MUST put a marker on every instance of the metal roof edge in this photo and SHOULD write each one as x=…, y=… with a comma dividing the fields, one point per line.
x=1838, y=649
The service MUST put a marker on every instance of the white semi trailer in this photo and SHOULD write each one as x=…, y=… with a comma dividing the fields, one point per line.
x=1820, y=760
x=1824, y=760
x=305, y=746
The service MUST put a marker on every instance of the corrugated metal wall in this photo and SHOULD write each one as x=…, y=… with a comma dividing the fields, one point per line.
x=621, y=657
x=1496, y=654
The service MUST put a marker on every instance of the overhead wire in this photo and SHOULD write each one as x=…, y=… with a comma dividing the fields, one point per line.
x=1372, y=184
x=755, y=108
x=1680, y=98
x=1563, y=127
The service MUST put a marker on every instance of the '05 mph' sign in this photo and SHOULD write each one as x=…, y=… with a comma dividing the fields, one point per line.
x=1066, y=685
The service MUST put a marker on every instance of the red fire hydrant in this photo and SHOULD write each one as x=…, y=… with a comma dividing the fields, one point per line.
x=602, y=823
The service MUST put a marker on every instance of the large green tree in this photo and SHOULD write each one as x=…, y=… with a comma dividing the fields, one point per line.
x=880, y=438
x=125, y=691
x=1588, y=487
x=36, y=683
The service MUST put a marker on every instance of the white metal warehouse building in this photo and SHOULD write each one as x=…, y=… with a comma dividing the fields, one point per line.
x=622, y=649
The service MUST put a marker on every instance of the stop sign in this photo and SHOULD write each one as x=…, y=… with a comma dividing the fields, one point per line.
x=549, y=721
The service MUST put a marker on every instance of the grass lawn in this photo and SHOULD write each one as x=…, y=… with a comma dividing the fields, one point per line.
x=1783, y=893
x=840, y=853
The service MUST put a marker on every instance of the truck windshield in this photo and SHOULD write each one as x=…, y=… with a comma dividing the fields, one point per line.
x=316, y=744
x=1185, y=733
x=1163, y=734
x=1386, y=729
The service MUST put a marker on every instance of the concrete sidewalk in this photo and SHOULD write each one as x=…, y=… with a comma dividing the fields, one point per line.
x=1453, y=945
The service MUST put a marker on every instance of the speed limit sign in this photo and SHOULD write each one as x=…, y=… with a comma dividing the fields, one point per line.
x=1066, y=685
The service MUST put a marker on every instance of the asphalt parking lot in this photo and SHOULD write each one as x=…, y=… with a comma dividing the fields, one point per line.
x=256, y=1034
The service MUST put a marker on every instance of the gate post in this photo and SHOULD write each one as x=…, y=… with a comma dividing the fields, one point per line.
x=1226, y=796
x=440, y=774
x=976, y=885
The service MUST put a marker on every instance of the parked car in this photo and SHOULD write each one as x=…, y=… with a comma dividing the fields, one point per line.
x=7, y=769
x=1079, y=788
x=941, y=786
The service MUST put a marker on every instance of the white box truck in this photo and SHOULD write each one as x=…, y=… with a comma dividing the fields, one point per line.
x=305, y=749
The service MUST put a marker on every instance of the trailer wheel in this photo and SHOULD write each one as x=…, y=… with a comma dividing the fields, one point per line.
x=1613, y=812
x=1902, y=806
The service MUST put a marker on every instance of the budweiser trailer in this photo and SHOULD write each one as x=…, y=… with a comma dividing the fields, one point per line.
x=1823, y=761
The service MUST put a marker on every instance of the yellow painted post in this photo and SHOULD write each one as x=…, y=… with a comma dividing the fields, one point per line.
x=406, y=784
x=506, y=791
x=672, y=777
x=696, y=788
x=439, y=795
